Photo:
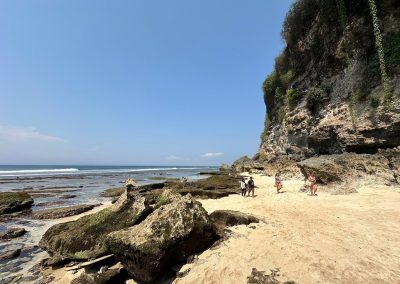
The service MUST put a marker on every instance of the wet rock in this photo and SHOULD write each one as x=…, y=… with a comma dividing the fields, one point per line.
x=89, y=232
x=10, y=254
x=13, y=233
x=67, y=196
x=14, y=201
x=228, y=218
x=179, y=228
x=63, y=212
x=50, y=203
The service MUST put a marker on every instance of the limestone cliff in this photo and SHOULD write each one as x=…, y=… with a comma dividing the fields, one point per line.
x=326, y=93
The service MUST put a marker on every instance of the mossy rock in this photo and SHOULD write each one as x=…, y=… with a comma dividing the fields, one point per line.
x=14, y=201
x=84, y=238
x=113, y=192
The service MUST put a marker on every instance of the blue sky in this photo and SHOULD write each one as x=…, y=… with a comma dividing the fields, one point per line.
x=173, y=82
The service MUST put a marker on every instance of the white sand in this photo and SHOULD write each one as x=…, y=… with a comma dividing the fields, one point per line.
x=324, y=239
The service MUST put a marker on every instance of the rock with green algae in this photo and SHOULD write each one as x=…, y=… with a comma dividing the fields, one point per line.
x=179, y=228
x=14, y=201
x=85, y=238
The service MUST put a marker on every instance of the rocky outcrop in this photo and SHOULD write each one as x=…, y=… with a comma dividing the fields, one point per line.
x=228, y=218
x=14, y=201
x=178, y=228
x=89, y=232
x=349, y=167
x=62, y=212
x=12, y=233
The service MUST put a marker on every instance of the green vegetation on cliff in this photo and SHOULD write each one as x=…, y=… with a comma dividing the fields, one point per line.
x=322, y=38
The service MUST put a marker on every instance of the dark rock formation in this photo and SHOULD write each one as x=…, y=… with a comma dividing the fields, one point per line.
x=50, y=203
x=62, y=212
x=67, y=196
x=259, y=277
x=10, y=254
x=228, y=218
x=89, y=232
x=178, y=228
x=14, y=201
x=13, y=233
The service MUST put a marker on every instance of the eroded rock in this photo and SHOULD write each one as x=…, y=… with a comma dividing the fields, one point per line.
x=173, y=232
x=87, y=239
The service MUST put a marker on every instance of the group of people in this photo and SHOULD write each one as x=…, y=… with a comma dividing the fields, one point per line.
x=249, y=187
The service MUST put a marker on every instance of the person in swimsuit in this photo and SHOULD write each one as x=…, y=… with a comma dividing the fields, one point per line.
x=313, y=184
x=278, y=182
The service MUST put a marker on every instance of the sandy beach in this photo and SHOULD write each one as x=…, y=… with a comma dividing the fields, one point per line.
x=325, y=239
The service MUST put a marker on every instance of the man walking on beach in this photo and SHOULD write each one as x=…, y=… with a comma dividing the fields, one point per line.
x=250, y=184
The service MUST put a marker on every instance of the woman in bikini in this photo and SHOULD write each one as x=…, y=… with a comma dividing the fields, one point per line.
x=313, y=184
x=278, y=182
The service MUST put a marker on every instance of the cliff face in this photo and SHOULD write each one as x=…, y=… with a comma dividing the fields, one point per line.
x=325, y=95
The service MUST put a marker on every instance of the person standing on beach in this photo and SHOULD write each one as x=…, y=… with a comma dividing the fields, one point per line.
x=243, y=187
x=313, y=184
x=278, y=182
x=250, y=184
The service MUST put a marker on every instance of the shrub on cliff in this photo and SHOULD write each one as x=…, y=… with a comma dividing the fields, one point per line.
x=314, y=97
x=292, y=97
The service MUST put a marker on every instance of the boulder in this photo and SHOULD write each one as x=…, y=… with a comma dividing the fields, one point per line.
x=14, y=201
x=179, y=228
x=85, y=238
x=13, y=233
x=228, y=218
x=62, y=212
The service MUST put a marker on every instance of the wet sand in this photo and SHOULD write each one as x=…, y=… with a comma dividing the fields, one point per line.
x=324, y=239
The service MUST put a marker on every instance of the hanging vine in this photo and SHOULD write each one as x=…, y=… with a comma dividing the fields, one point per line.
x=381, y=53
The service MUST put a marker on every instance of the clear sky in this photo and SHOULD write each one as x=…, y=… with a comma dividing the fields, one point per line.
x=146, y=82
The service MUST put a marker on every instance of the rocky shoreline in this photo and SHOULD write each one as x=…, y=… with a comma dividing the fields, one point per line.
x=133, y=207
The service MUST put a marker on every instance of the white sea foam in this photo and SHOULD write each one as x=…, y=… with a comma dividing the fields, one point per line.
x=39, y=171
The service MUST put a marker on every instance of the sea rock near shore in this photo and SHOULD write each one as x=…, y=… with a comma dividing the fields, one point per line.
x=62, y=212
x=12, y=233
x=85, y=238
x=14, y=201
x=178, y=228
